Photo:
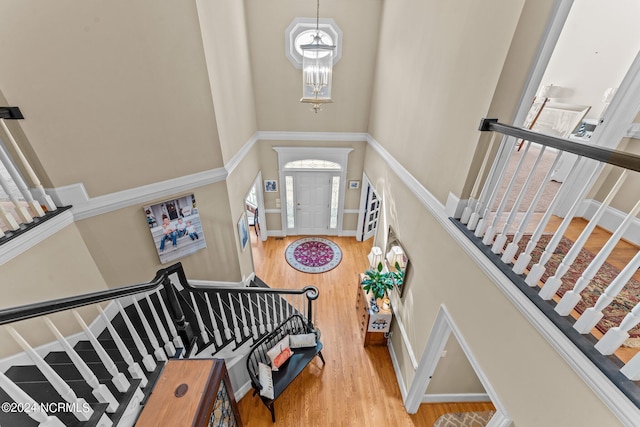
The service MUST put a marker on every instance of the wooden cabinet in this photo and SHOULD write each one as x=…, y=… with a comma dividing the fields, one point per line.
x=374, y=327
x=191, y=392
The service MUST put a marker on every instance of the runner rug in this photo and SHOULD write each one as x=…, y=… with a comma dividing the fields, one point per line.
x=619, y=307
x=464, y=419
x=313, y=255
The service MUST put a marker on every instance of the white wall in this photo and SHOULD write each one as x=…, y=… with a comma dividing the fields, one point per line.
x=598, y=44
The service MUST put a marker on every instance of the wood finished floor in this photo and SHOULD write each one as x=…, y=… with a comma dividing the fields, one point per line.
x=357, y=386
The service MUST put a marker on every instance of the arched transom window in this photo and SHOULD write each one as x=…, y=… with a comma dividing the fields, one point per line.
x=313, y=164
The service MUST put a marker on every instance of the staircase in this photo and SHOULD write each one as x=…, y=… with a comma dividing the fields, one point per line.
x=103, y=376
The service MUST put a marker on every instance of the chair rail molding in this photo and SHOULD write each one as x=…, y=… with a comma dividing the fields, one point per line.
x=85, y=206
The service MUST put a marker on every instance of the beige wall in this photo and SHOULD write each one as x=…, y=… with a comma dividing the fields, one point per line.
x=239, y=184
x=435, y=79
x=122, y=247
x=115, y=95
x=58, y=267
x=509, y=350
x=227, y=58
x=278, y=84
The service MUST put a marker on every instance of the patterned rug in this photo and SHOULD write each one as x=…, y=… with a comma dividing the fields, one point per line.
x=464, y=419
x=313, y=255
x=619, y=307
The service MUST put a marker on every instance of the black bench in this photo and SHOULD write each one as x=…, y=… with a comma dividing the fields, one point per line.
x=301, y=357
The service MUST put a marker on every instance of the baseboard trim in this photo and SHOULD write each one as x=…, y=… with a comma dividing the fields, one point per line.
x=456, y=397
x=396, y=368
x=611, y=219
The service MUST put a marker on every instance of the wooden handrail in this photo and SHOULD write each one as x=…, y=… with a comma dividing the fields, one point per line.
x=613, y=157
x=28, y=311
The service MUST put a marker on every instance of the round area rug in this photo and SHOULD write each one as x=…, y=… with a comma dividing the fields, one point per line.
x=313, y=255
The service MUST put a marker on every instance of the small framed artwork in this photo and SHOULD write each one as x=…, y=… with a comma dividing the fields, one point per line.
x=243, y=231
x=270, y=186
x=354, y=185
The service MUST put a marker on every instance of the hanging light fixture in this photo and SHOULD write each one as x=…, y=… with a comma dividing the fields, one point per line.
x=317, y=69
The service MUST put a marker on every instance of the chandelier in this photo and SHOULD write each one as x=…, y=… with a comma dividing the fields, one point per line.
x=317, y=69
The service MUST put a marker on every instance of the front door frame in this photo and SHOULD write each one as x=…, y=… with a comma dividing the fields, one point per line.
x=337, y=155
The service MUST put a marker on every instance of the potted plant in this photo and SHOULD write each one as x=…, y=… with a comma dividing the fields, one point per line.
x=377, y=282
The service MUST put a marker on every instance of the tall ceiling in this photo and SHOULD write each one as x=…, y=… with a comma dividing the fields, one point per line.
x=277, y=83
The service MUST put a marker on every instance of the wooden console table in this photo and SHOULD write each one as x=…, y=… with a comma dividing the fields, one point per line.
x=374, y=327
x=191, y=392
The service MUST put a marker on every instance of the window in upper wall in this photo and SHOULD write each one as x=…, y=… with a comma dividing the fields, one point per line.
x=302, y=30
x=313, y=164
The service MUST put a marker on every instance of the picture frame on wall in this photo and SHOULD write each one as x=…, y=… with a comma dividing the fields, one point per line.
x=175, y=227
x=270, y=186
x=354, y=185
x=243, y=231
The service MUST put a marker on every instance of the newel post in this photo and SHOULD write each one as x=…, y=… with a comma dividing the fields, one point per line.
x=182, y=326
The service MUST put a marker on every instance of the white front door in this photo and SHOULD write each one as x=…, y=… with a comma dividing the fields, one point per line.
x=312, y=202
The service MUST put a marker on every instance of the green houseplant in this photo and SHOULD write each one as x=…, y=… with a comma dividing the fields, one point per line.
x=377, y=281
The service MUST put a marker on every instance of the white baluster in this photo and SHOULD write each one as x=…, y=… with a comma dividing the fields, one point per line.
x=8, y=219
x=491, y=231
x=481, y=203
x=243, y=310
x=525, y=257
x=236, y=328
x=82, y=411
x=553, y=283
x=501, y=238
x=512, y=247
x=538, y=269
x=40, y=194
x=23, y=213
x=252, y=314
x=117, y=378
x=477, y=221
x=203, y=331
x=615, y=337
x=168, y=345
x=133, y=367
x=274, y=318
x=591, y=316
x=99, y=391
x=260, y=318
x=632, y=369
x=177, y=340
x=217, y=338
x=571, y=298
x=21, y=398
x=147, y=360
x=227, y=330
x=158, y=352
x=268, y=313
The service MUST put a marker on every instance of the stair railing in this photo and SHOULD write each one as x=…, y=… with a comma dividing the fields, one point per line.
x=496, y=219
x=168, y=314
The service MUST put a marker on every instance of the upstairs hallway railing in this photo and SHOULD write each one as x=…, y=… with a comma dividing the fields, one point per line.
x=164, y=318
x=21, y=207
x=596, y=309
